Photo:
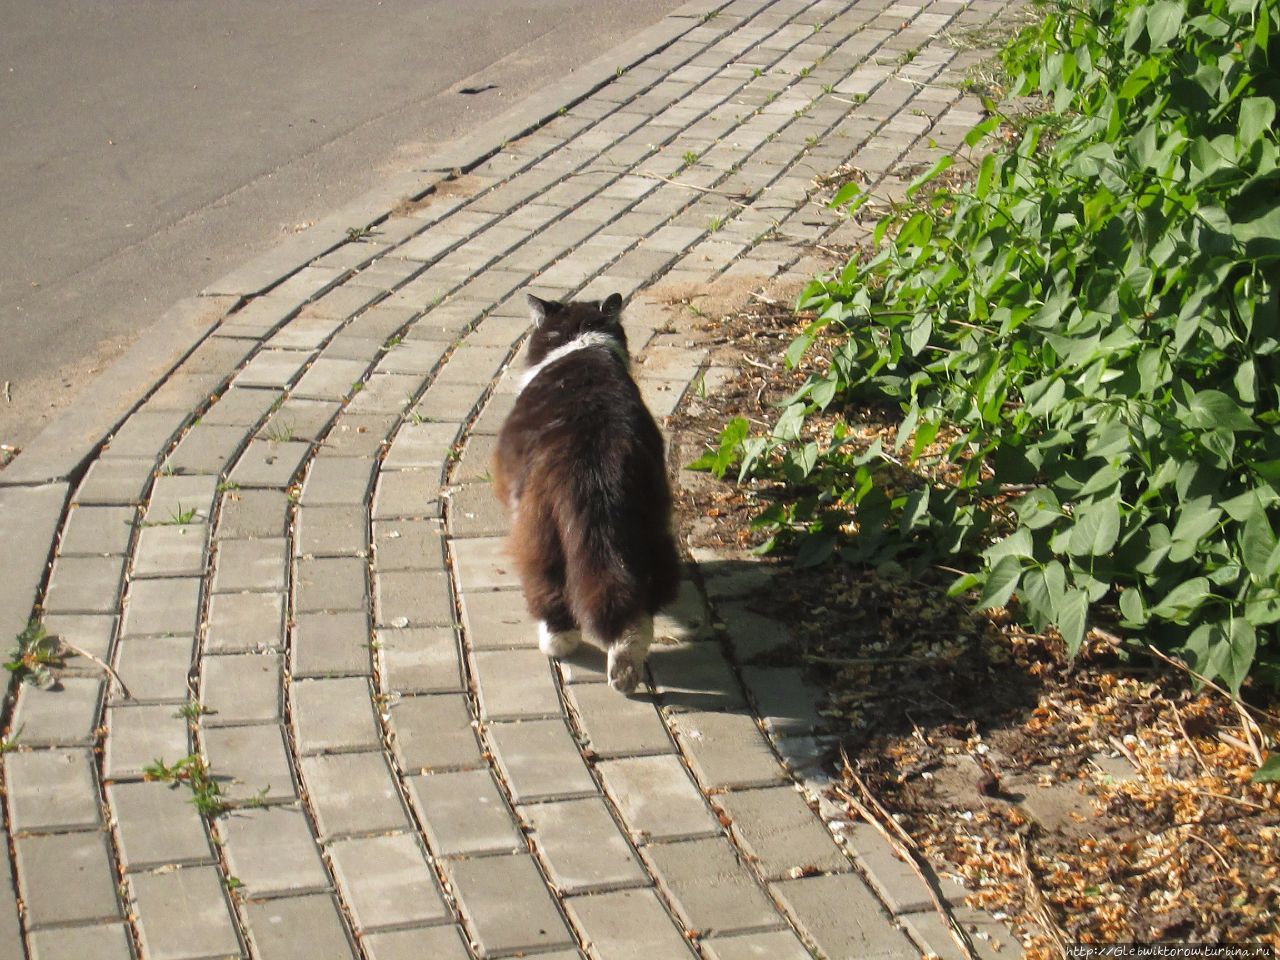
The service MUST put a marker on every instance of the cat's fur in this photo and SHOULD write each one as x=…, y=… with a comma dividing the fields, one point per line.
x=580, y=466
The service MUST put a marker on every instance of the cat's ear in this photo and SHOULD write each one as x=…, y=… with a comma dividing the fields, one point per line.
x=611, y=306
x=537, y=309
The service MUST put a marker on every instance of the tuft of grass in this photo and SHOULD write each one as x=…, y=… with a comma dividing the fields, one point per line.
x=193, y=710
x=690, y=157
x=715, y=223
x=356, y=234
x=192, y=770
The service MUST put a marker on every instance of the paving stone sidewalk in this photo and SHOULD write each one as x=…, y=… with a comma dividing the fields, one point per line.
x=295, y=532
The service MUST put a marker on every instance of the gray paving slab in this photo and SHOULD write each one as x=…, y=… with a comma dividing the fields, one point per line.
x=307, y=927
x=483, y=564
x=250, y=763
x=243, y=622
x=155, y=668
x=616, y=726
x=433, y=733
x=514, y=684
x=408, y=544
x=769, y=945
x=419, y=445
x=140, y=735
x=189, y=498
x=475, y=512
x=110, y=941
x=84, y=585
x=10, y=925
x=157, y=824
x=66, y=878
x=711, y=889
x=777, y=828
x=92, y=633
x=334, y=714
x=359, y=434
x=271, y=850
x=331, y=645
x=407, y=493
x=506, y=905
x=463, y=813
x=842, y=917
x=332, y=531
x=269, y=463
x=540, y=760
x=626, y=925
x=252, y=513
x=299, y=419
x=159, y=608
x=497, y=622
x=184, y=914
x=243, y=688
x=330, y=584
x=387, y=881
x=656, y=798
x=251, y=565
x=66, y=716
x=695, y=676
x=51, y=790
x=583, y=848
x=334, y=480
x=420, y=660
x=117, y=482
x=439, y=943
x=406, y=598
x=353, y=793
x=94, y=531
x=207, y=449
x=726, y=750
x=171, y=550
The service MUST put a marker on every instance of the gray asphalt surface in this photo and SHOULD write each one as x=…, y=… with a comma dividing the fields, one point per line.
x=148, y=147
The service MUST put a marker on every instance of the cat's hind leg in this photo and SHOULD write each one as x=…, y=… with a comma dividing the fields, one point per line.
x=558, y=632
x=628, y=653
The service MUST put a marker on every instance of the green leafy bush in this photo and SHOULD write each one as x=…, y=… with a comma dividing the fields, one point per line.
x=1091, y=326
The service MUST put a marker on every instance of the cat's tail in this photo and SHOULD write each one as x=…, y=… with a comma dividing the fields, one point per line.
x=621, y=563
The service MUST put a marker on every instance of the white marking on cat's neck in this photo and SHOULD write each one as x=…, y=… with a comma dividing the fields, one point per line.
x=582, y=341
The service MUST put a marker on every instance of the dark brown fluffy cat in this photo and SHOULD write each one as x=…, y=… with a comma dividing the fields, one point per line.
x=580, y=466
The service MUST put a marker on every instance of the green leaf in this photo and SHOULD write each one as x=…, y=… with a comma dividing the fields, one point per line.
x=1182, y=600
x=1257, y=117
x=719, y=461
x=1258, y=544
x=1001, y=582
x=1073, y=614
x=1096, y=529
x=1213, y=409
x=1269, y=772
x=1164, y=17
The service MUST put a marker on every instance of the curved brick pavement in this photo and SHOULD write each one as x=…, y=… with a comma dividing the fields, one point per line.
x=295, y=531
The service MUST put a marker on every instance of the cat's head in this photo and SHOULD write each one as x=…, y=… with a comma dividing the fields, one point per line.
x=556, y=324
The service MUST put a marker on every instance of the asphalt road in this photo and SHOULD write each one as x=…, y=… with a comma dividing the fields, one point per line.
x=148, y=147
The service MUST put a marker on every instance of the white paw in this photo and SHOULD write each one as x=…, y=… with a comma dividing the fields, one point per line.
x=624, y=673
x=558, y=644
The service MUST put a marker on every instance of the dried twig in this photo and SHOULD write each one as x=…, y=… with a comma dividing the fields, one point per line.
x=906, y=848
x=1212, y=849
x=1177, y=718
x=731, y=197
x=1248, y=726
x=1126, y=752
x=1039, y=906
x=8, y=394
x=1256, y=711
x=124, y=689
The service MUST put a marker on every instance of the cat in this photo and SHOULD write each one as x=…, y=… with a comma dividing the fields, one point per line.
x=580, y=466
